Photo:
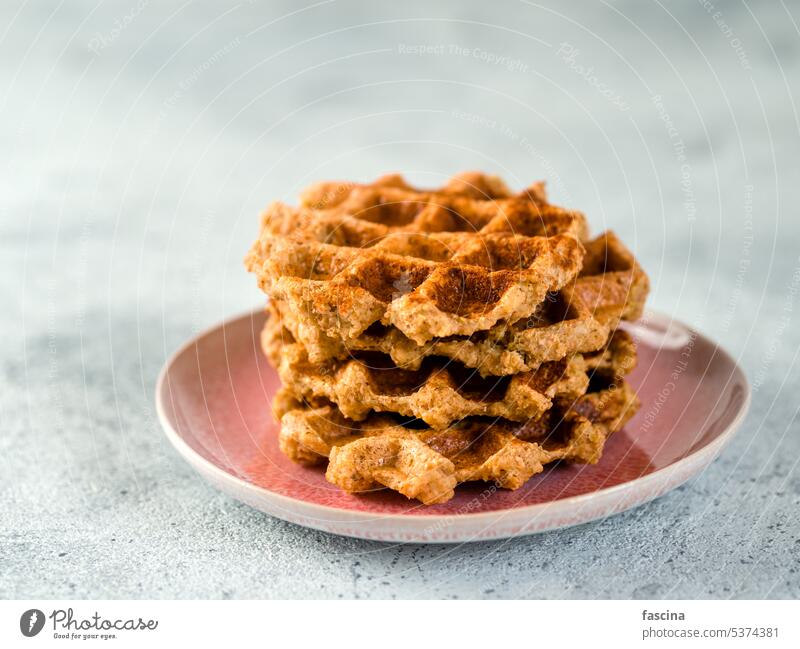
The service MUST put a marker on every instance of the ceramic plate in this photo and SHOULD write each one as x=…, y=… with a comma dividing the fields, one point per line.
x=213, y=400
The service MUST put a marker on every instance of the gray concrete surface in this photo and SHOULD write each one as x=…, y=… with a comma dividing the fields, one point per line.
x=139, y=142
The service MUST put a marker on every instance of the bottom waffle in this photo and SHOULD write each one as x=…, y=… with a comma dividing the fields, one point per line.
x=426, y=464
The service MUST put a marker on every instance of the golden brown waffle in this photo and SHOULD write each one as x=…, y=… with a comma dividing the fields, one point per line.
x=346, y=289
x=427, y=464
x=426, y=337
x=555, y=330
x=474, y=184
x=469, y=202
x=577, y=319
x=439, y=392
x=610, y=364
x=432, y=264
x=435, y=241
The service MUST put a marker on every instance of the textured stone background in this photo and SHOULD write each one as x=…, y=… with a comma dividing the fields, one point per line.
x=140, y=140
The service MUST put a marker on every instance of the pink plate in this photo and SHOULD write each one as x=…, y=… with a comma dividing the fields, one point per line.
x=213, y=400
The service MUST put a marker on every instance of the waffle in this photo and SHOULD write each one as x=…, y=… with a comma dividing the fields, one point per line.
x=610, y=364
x=428, y=337
x=577, y=319
x=468, y=202
x=486, y=279
x=432, y=264
x=439, y=392
x=474, y=184
x=556, y=329
x=427, y=464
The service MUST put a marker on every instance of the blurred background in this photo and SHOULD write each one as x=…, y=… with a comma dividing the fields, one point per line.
x=141, y=139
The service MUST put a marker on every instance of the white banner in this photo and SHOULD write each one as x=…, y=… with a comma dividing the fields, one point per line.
x=399, y=624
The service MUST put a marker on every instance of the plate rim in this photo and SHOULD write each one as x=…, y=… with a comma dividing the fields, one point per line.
x=697, y=459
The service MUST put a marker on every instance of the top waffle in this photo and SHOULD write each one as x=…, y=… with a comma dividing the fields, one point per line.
x=472, y=184
x=431, y=264
x=469, y=202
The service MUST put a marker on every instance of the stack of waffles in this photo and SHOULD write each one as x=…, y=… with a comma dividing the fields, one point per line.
x=426, y=338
